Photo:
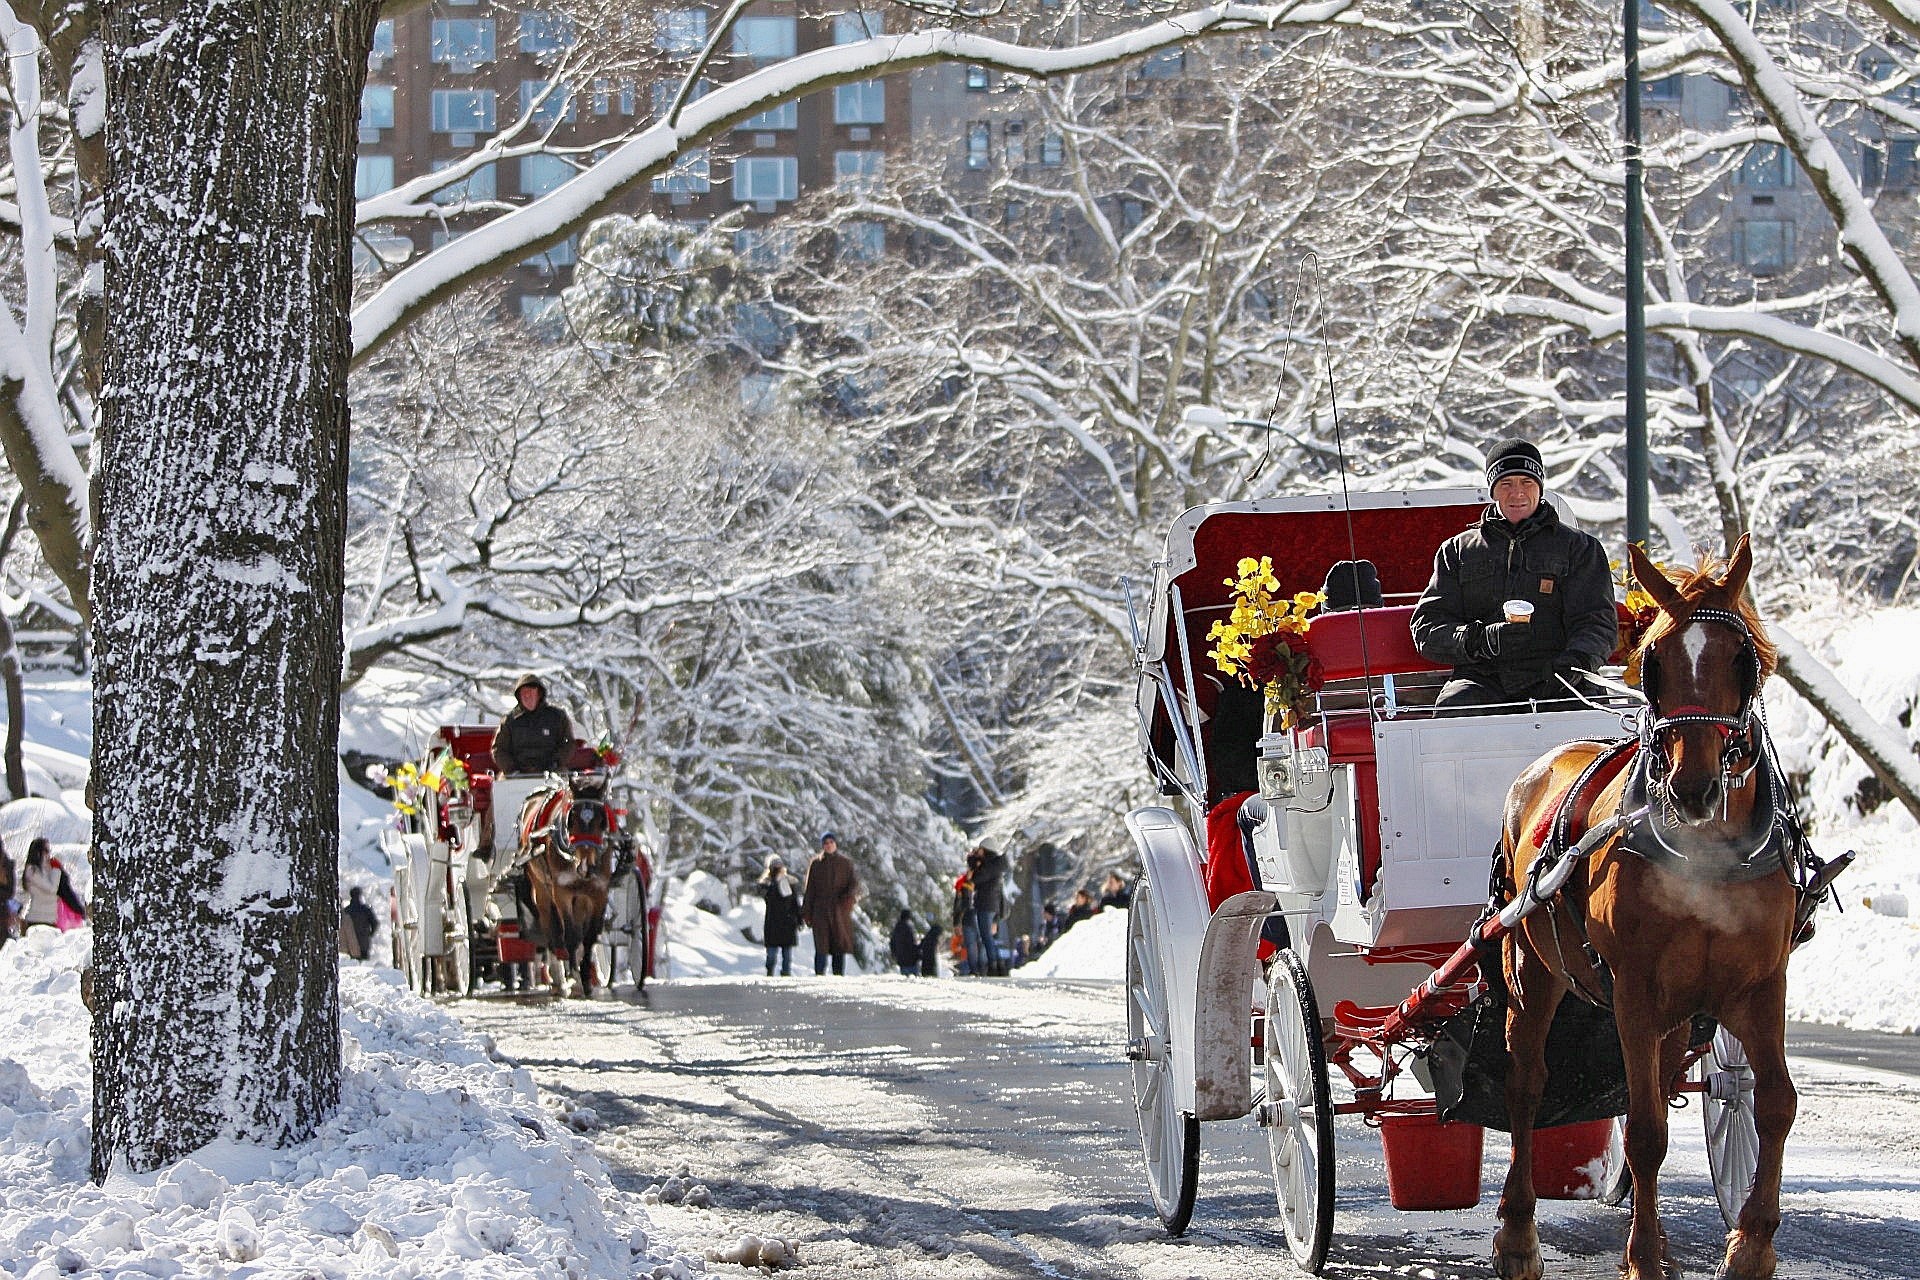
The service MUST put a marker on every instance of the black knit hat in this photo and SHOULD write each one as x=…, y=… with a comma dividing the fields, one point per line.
x=1515, y=458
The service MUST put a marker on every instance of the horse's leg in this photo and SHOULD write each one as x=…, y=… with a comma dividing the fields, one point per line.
x=1759, y=1023
x=1649, y=1071
x=1537, y=991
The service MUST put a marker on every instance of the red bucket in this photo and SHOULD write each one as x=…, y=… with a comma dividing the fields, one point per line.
x=1568, y=1159
x=1431, y=1165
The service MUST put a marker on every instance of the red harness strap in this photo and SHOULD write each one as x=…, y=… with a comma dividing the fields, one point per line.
x=1582, y=804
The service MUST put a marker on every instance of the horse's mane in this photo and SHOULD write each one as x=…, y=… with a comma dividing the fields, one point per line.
x=1700, y=581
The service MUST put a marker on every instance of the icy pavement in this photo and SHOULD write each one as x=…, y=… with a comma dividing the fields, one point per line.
x=939, y=1129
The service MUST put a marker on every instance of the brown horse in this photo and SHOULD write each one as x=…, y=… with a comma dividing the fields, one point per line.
x=1691, y=907
x=569, y=861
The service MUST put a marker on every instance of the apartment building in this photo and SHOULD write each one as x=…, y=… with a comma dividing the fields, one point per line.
x=446, y=77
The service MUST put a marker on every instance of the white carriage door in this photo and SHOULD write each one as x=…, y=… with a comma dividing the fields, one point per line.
x=1443, y=788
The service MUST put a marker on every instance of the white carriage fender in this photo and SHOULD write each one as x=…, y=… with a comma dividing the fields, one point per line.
x=1171, y=864
x=1223, y=1007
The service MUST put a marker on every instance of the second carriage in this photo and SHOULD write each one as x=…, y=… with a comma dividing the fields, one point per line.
x=462, y=912
x=1307, y=889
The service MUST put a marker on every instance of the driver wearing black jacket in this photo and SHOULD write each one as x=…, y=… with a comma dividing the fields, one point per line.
x=536, y=736
x=1518, y=551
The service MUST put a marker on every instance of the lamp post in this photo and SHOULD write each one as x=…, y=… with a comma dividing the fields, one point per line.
x=1638, y=482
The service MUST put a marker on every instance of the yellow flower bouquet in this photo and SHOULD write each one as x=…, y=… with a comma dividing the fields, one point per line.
x=1258, y=644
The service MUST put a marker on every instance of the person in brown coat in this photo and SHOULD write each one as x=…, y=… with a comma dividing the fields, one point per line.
x=829, y=892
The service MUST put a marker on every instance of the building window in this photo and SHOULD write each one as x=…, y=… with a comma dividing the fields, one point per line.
x=1053, y=148
x=863, y=25
x=681, y=32
x=663, y=91
x=784, y=116
x=862, y=102
x=542, y=32
x=478, y=185
x=690, y=174
x=977, y=81
x=602, y=99
x=1766, y=166
x=463, y=110
x=371, y=176
x=764, y=247
x=541, y=174
x=1016, y=135
x=1665, y=89
x=979, y=144
x=862, y=241
x=382, y=43
x=757, y=178
x=1763, y=244
x=764, y=39
x=549, y=101
x=554, y=258
x=376, y=107
x=1164, y=64
x=463, y=43
x=629, y=97
x=858, y=171
x=1902, y=174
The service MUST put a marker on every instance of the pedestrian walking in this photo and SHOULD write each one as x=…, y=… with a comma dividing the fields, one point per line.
x=966, y=943
x=827, y=897
x=930, y=951
x=782, y=927
x=357, y=925
x=905, y=944
x=9, y=892
x=50, y=899
x=989, y=904
x=1115, y=893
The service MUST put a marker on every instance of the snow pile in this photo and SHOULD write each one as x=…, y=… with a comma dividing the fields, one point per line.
x=1094, y=948
x=439, y=1160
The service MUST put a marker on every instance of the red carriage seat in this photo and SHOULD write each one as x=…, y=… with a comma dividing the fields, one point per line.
x=1349, y=646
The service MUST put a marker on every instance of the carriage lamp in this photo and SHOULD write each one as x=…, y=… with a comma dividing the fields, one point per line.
x=1276, y=778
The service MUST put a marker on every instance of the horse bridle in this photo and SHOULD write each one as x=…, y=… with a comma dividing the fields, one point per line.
x=1736, y=731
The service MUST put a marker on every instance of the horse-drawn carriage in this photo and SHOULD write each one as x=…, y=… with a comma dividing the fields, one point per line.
x=495, y=874
x=1366, y=825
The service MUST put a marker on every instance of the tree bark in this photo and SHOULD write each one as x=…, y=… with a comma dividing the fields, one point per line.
x=221, y=486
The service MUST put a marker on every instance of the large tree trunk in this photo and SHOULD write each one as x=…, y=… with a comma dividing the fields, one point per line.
x=221, y=483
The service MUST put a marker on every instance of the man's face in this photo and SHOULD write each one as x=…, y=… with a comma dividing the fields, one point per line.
x=829, y=846
x=1517, y=497
x=529, y=697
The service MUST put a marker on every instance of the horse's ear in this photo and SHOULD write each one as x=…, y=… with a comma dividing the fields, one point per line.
x=1738, y=567
x=1651, y=580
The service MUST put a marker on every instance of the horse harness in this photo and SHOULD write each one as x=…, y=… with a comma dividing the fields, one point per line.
x=1773, y=841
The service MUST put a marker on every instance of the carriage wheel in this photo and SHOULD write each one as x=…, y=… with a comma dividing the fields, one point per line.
x=1169, y=1137
x=1616, y=1178
x=1733, y=1137
x=1299, y=1112
x=640, y=950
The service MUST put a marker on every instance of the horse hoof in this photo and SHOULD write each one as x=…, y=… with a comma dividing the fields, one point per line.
x=1748, y=1258
x=1518, y=1266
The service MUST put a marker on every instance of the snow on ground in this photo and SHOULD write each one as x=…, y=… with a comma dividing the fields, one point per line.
x=439, y=1161
x=707, y=933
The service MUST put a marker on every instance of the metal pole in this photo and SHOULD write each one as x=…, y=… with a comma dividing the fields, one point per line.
x=1636, y=300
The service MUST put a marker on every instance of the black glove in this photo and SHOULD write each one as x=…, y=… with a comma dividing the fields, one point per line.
x=1498, y=640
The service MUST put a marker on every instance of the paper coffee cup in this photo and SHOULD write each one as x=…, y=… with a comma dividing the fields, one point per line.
x=1518, y=611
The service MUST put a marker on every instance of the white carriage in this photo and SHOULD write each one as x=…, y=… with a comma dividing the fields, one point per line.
x=1371, y=836
x=460, y=910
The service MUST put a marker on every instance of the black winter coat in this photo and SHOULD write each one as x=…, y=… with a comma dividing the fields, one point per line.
x=533, y=741
x=1561, y=571
x=989, y=886
x=905, y=944
x=783, y=914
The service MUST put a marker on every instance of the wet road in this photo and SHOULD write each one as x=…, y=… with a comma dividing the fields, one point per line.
x=969, y=1128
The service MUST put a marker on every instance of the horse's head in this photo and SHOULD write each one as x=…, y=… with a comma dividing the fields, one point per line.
x=587, y=821
x=1701, y=666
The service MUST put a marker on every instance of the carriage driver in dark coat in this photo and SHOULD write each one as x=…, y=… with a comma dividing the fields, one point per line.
x=536, y=736
x=1519, y=551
